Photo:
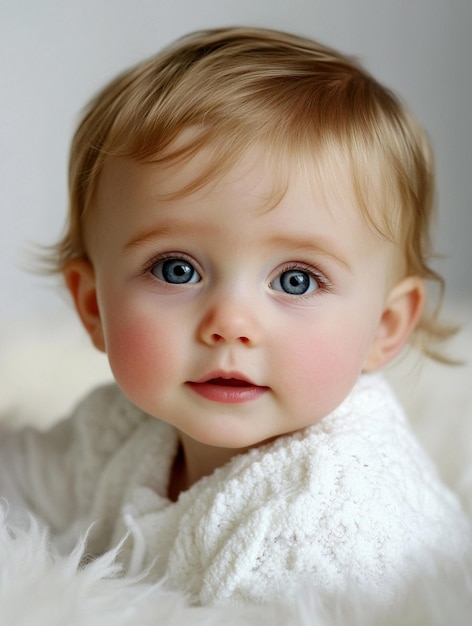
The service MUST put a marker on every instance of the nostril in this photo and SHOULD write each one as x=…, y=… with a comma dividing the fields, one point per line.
x=216, y=338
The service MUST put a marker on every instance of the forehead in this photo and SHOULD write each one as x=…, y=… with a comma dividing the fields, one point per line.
x=259, y=179
x=200, y=160
x=263, y=173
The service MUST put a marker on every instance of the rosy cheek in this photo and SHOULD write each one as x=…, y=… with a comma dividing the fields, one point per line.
x=320, y=372
x=138, y=355
x=316, y=364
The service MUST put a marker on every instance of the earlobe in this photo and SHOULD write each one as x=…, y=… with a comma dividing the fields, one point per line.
x=400, y=316
x=79, y=276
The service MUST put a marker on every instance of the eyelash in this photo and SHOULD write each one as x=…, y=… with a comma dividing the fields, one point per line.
x=323, y=282
x=165, y=256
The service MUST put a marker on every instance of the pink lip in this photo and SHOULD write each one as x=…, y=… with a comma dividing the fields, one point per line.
x=227, y=388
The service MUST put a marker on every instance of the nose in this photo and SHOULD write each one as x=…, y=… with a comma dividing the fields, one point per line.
x=230, y=321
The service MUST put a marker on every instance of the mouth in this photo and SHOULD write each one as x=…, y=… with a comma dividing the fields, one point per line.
x=229, y=382
x=231, y=388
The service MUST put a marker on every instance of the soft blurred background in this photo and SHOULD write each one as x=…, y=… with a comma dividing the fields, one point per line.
x=55, y=54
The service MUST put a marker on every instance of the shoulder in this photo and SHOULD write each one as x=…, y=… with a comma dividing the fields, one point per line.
x=106, y=416
x=366, y=458
x=105, y=424
x=114, y=447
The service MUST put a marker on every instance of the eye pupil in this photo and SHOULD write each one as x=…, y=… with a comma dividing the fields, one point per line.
x=180, y=271
x=296, y=280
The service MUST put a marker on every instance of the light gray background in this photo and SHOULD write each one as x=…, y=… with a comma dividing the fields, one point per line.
x=54, y=54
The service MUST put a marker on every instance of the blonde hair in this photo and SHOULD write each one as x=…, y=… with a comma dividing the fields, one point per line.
x=239, y=87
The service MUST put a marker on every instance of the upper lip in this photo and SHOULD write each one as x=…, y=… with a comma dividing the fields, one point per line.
x=220, y=375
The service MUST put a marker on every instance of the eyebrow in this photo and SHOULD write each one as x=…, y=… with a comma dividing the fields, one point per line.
x=152, y=235
x=318, y=244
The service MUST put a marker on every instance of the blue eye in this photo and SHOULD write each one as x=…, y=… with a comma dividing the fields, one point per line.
x=175, y=271
x=295, y=282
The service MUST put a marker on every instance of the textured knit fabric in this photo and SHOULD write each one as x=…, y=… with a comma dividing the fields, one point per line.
x=350, y=502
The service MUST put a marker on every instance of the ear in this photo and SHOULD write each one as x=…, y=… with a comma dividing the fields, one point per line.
x=79, y=276
x=400, y=316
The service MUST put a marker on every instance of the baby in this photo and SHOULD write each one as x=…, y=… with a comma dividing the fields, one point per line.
x=248, y=241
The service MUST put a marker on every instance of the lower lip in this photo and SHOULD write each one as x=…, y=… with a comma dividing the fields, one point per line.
x=227, y=394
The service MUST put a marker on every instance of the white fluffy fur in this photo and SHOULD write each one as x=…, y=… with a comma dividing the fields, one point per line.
x=39, y=587
x=45, y=365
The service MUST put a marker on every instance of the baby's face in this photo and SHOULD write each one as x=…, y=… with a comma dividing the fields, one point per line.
x=233, y=319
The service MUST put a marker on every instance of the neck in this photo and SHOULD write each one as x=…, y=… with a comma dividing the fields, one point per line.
x=199, y=460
